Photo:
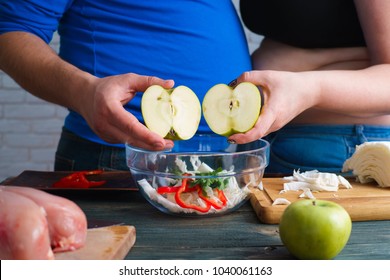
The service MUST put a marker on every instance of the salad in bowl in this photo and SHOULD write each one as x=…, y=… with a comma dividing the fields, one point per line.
x=205, y=175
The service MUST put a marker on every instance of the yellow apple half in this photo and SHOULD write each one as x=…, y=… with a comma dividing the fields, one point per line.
x=228, y=111
x=172, y=113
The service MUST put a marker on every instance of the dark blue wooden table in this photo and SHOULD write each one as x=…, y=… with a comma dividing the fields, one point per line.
x=238, y=235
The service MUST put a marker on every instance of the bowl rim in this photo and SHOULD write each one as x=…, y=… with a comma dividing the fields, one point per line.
x=196, y=176
x=264, y=149
x=265, y=146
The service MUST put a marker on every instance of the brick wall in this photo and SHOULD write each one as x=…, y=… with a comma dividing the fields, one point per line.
x=30, y=127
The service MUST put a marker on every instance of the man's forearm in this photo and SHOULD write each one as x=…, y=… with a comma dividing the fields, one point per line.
x=39, y=70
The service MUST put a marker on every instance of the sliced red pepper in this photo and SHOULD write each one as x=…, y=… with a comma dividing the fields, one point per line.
x=210, y=201
x=183, y=204
x=78, y=180
x=166, y=189
x=185, y=187
x=173, y=189
x=222, y=197
x=215, y=204
x=92, y=184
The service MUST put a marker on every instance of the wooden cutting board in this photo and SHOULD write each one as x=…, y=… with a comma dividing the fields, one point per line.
x=364, y=202
x=104, y=243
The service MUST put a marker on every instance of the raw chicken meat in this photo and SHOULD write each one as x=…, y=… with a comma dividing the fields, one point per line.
x=67, y=222
x=24, y=230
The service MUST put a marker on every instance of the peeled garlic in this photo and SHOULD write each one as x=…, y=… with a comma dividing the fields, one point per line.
x=307, y=193
x=281, y=201
x=370, y=162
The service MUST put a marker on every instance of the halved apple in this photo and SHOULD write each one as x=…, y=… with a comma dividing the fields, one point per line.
x=228, y=111
x=172, y=113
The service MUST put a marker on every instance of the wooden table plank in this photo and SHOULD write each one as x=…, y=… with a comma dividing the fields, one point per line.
x=236, y=253
x=238, y=235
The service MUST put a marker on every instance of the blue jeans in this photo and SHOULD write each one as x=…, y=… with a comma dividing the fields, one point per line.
x=303, y=147
x=321, y=147
x=76, y=153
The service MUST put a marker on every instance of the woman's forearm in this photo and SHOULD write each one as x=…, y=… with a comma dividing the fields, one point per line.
x=360, y=93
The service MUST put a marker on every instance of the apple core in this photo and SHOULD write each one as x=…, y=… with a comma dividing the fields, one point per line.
x=171, y=113
x=232, y=110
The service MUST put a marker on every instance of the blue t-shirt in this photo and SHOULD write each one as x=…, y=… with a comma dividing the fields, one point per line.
x=198, y=43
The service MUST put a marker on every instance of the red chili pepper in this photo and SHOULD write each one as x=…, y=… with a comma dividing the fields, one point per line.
x=183, y=204
x=78, y=180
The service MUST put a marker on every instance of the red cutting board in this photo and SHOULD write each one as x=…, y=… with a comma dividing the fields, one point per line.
x=364, y=202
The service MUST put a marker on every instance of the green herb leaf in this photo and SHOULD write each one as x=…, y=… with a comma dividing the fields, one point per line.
x=214, y=183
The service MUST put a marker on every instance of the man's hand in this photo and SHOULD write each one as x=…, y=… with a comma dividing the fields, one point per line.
x=103, y=110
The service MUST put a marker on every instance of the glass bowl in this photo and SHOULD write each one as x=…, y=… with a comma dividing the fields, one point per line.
x=205, y=175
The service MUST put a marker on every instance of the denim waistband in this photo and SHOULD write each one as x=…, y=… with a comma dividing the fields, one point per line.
x=322, y=147
x=336, y=129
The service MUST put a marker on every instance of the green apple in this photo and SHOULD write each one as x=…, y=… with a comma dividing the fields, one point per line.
x=172, y=113
x=315, y=229
x=230, y=110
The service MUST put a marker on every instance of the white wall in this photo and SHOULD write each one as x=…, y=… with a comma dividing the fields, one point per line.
x=30, y=127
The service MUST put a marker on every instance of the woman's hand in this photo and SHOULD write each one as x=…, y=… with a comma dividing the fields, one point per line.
x=286, y=95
